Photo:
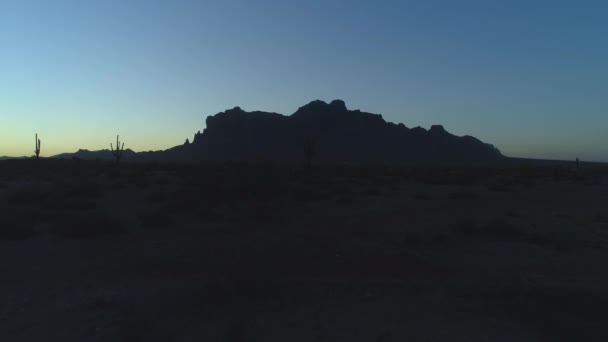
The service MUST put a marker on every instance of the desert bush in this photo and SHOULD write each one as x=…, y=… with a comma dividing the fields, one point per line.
x=156, y=197
x=310, y=193
x=162, y=181
x=494, y=229
x=207, y=212
x=445, y=176
x=342, y=189
x=16, y=227
x=142, y=183
x=119, y=185
x=593, y=181
x=422, y=196
x=81, y=189
x=537, y=238
x=411, y=239
x=264, y=212
x=500, y=185
x=251, y=280
x=61, y=204
x=371, y=191
x=562, y=216
x=85, y=226
x=441, y=238
x=155, y=219
x=513, y=213
x=466, y=227
x=342, y=193
x=463, y=195
x=82, y=205
x=29, y=194
x=600, y=218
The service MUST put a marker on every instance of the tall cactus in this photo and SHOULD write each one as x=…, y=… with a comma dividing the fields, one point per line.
x=118, y=152
x=37, y=150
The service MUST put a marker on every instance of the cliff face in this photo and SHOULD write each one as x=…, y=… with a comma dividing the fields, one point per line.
x=339, y=134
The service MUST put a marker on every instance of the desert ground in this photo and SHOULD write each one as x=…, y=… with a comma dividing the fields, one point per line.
x=91, y=251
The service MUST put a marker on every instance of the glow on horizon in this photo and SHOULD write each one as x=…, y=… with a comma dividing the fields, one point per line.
x=531, y=79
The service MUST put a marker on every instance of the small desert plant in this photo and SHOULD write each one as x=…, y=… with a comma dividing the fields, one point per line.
x=16, y=227
x=155, y=219
x=29, y=194
x=118, y=185
x=422, y=196
x=310, y=193
x=411, y=239
x=463, y=195
x=343, y=194
x=83, y=189
x=498, y=229
x=309, y=152
x=79, y=226
x=162, y=181
x=441, y=238
x=157, y=197
x=501, y=184
x=513, y=213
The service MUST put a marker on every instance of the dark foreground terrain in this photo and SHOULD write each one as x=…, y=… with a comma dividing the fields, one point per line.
x=236, y=252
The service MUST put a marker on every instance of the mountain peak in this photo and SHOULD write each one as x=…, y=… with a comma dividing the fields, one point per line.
x=338, y=105
x=340, y=135
x=318, y=106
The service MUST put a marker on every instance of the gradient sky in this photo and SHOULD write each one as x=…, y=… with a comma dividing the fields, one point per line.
x=530, y=77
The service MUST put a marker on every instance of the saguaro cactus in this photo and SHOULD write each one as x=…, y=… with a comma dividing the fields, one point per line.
x=37, y=150
x=118, y=152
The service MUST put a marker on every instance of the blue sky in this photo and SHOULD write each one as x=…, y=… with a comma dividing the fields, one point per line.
x=530, y=77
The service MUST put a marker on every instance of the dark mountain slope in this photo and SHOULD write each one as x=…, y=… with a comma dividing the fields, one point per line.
x=338, y=134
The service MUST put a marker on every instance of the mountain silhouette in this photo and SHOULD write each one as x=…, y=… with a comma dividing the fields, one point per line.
x=338, y=135
x=100, y=154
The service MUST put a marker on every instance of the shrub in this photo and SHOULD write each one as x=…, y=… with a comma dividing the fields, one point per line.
x=513, y=213
x=155, y=219
x=411, y=239
x=16, y=227
x=84, y=189
x=119, y=185
x=29, y=194
x=441, y=238
x=310, y=193
x=494, y=229
x=85, y=226
x=422, y=196
x=156, y=197
x=466, y=195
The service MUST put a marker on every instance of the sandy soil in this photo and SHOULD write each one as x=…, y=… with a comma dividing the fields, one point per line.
x=235, y=253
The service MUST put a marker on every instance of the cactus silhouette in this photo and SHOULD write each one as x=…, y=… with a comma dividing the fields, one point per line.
x=37, y=150
x=118, y=152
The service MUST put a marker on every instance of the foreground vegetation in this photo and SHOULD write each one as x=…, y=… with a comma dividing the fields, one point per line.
x=260, y=252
